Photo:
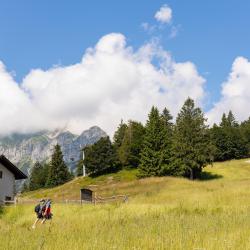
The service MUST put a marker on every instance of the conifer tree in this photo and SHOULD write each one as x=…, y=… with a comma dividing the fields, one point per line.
x=168, y=139
x=130, y=149
x=35, y=176
x=231, y=120
x=245, y=130
x=119, y=134
x=38, y=176
x=58, y=172
x=167, y=118
x=153, y=158
x=229, y=139
x=45, y=173
x=192, y=146
x=228, y=120
x=224, y=121
x=101, y=158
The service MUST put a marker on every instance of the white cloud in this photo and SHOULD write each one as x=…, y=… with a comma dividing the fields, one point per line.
x=164, y=15
x=111, y=82
x=15, y=106
x=235, y=93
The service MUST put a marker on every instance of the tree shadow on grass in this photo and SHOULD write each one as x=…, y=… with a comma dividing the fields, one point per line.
x=207, y=176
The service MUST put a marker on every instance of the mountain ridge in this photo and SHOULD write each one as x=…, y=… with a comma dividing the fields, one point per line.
x=25, y=149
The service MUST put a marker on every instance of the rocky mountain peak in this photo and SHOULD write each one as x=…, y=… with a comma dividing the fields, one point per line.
x=25, y=149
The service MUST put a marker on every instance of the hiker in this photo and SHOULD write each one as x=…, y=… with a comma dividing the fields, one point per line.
x=39, y=210
x=43, y=211
x=47, y=215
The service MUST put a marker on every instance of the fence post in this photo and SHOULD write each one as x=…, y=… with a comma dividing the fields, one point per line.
x=94, y=198
x=15, y=200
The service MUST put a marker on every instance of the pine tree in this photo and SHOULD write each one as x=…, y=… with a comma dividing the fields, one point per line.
x=130, y=149
x=245, y=131
x=79, y=167
x=192, y=147
x=231, y=120
x=219, y=139
x=45, y=173
x=168, y=141
x=119, y=134
x=58, y=172
x=167, y=118
x=101, y=158
x=153, y=158
x=38, y=176
x=229, y=139
x=35, y=176
x=224, y=121
x=228, y=120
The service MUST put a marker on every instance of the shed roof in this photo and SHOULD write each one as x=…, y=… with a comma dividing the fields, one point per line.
x=12, y=168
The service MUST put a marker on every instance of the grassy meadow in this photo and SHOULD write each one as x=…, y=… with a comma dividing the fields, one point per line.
x=162, y=213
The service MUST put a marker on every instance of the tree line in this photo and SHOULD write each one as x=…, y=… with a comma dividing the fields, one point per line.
x=160, y=148
x=163, y=147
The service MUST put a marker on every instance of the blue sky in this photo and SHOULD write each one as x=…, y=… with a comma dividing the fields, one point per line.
x=40, y=34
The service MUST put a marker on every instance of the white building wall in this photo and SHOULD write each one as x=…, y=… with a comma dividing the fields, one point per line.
x=7, y=184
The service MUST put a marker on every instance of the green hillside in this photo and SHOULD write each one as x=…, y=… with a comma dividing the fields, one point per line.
x=162, y=213
x=219, y=182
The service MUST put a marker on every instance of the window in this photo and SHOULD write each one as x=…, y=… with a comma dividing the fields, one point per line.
x=1, y=174
x=7, y=198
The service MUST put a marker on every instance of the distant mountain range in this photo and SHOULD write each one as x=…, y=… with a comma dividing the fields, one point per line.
x=25, y=149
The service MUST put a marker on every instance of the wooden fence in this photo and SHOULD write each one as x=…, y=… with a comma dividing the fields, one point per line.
x=123, y=198
x=96, y=200
x=86, y=197
x=9, y=202
x=90, y=196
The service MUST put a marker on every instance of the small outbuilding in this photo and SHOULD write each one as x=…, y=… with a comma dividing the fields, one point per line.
x=87, y=195
x=9, y=173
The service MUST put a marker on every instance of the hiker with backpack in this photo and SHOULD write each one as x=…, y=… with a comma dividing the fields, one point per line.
x=47, y=215
x=43, y=211
x=39, y=209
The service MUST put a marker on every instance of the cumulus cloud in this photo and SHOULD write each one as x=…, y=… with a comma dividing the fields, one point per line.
x=235, y=93
x=15, y=105
x=112, y=81
x=164, y=20
x=164, y=14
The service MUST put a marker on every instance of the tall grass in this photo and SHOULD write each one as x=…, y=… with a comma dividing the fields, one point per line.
x=130, y=226
x=162, y=213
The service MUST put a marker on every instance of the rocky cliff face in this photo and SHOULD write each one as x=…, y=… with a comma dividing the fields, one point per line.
x=24, y=150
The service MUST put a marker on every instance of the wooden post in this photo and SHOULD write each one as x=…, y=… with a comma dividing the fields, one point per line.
x=81, y=196
x=15, y=200
x=94, y=198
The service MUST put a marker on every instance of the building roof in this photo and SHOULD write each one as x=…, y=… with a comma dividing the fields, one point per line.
x=12, y=168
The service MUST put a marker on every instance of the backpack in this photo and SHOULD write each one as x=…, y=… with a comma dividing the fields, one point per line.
x=37, y=208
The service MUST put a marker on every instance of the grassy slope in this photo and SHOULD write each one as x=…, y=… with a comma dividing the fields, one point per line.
x=221, y=182
x=105, y=185
x=162, y=213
